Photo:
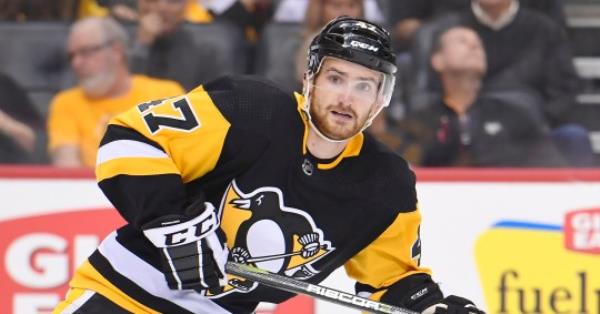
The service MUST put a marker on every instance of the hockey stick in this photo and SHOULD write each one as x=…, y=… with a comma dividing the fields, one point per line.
x=267, y=258
x=296, y=286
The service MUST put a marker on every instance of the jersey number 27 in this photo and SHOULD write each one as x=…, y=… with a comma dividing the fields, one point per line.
x=185, y=121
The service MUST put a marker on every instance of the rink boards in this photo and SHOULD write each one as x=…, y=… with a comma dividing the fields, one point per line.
x=512, y=240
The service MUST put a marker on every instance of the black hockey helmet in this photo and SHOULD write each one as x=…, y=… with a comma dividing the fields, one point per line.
x=355, y=40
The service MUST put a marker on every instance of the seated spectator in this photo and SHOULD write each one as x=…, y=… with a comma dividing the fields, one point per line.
x=248, y=15
x=296, y=11
x=407, y=15
x=528, y=54
x=78, y=116
x=525, y=50
x=164, y=49
x=543, y=65
x=89, y=8
x=37, y=10
x=282, y=56
x=318, y=13
x=127, y=11
x=21, y=127
x=468, y=129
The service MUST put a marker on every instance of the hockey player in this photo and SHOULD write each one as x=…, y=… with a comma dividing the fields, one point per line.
x=237, y=169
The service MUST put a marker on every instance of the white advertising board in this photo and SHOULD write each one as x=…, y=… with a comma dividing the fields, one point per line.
x=513, y=241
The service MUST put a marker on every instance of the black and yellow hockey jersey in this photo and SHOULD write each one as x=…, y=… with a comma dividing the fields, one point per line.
x=241, y=143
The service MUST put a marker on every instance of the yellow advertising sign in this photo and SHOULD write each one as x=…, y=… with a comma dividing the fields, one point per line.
x=534, y=268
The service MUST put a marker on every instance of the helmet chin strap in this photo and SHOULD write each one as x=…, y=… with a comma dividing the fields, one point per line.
x=306, y=109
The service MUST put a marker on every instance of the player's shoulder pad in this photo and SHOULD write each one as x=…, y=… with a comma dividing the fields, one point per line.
x=398, y=178
x=249, y=97
x=386, y=156
x=258, y=86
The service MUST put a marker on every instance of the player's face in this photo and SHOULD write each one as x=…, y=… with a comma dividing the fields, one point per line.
x=344, y=96
x=93, y=60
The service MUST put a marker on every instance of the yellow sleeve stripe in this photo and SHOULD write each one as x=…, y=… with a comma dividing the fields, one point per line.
x=135, y=167
x=72, y=296
x=87, y=277
x=388, y=258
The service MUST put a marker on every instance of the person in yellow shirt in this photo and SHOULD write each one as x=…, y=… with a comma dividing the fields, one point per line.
x=105, y=87
x=126, y=10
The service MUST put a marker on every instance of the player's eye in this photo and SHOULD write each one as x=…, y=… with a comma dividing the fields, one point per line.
x=335, y=79
x=364, y=87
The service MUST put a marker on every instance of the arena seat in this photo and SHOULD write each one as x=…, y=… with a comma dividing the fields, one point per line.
x=224, y=41
x=227, y=42
x=276, y=53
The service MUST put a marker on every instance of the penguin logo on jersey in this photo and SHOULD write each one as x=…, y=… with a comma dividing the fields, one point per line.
x=263, y=232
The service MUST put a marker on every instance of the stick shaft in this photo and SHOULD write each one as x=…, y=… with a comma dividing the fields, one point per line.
x=296, y=286
x=271, y=257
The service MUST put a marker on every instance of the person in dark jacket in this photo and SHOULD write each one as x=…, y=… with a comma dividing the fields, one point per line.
x=21, y=125
x=406, y=16
x=467, y=128
x=163, y=48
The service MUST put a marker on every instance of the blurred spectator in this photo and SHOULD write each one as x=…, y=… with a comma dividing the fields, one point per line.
x=300, y=11
x=526, y=49
x=78, y=116
x=529, y=52
x=407, y=15
x=529, y=61
x=465, y=128
x=247, y=14
x=127, y=10
x=317, y=14
x=164, y=49
x=88, y=8
x=22, y=133
x=36, y=10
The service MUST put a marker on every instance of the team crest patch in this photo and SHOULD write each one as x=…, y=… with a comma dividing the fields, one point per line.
x=262, y=232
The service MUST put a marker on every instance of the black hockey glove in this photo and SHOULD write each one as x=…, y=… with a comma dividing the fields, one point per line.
x=420, y=293
x=193, y=255
x=453, y=305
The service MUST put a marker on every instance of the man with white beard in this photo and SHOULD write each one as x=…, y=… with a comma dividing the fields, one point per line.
x=77, y=119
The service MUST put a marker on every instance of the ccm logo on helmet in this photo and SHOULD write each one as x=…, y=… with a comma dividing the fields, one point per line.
x=361, y=45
